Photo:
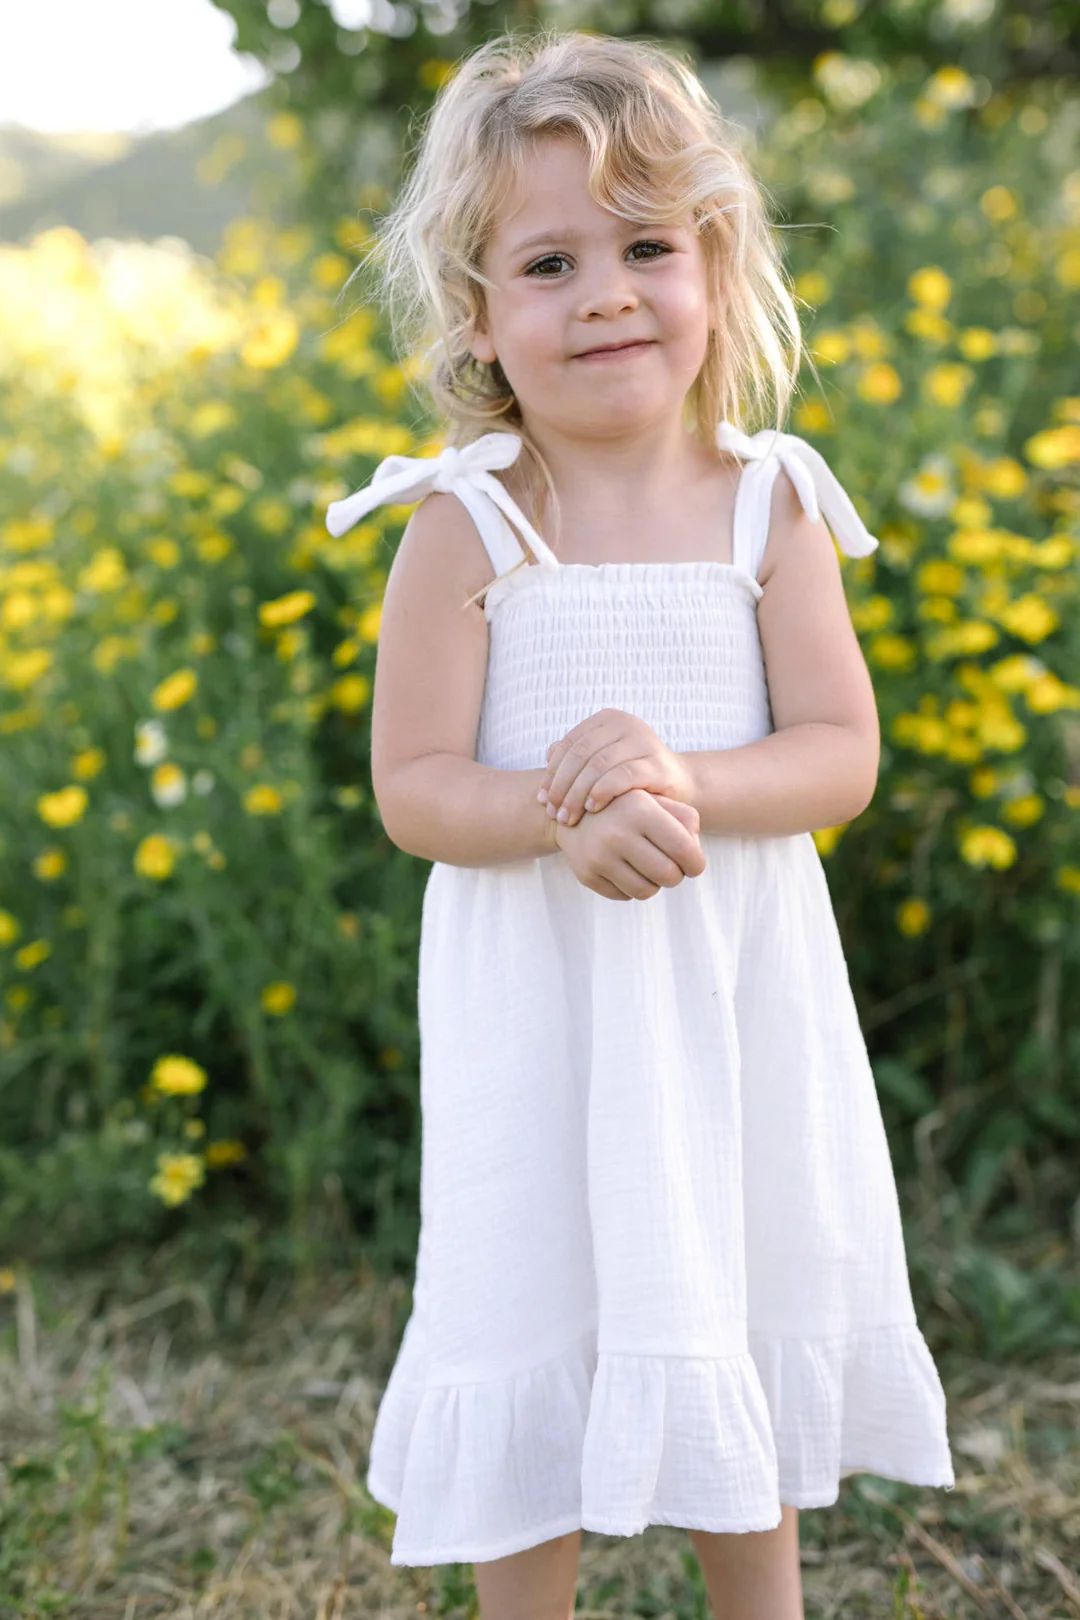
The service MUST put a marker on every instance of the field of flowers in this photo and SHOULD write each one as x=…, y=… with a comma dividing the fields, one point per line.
x=207, y=943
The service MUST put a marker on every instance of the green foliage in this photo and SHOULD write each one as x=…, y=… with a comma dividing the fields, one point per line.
x=191, y=861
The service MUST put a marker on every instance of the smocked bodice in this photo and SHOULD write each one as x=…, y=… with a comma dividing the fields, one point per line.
x=675, y=643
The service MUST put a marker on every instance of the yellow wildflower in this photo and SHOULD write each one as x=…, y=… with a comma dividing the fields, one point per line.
x=880, y=384
x=271, y=341
x=939, y=577
x=948, y=383
x=998, y=203
x=1004, y=477
x=1047, y=693
x=155, y=856
x=892, y=652
x=89, y=763
x=263, y=800
x=1054, y=447
x=286, y=609
x=1025, y=810
x=977, y=343
x=1030, y=618
x=951, y=86
x=913, y=917
x=930, y=287
x=163, y=551
x=827, y=838
x=178, y=1174
x=50, y=864
x=224, y=1152
x=177, y=1076
x=278, y=998
x=63, y=808
x=175, y=689
x=106, y=571
x=987, y=846
x=349, y=693
x=168, y=784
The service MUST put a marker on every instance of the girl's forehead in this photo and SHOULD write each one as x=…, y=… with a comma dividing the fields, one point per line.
x=546, y=168
x=548, y=190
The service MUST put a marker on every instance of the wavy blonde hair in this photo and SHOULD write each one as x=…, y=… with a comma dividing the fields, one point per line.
x=659, y=148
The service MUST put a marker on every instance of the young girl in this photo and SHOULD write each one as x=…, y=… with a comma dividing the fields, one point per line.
x=661, y=1276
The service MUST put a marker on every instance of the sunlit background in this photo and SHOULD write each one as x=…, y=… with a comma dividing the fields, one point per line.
x=119, y=66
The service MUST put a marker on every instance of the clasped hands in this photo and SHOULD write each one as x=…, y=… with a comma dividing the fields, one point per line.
x=648, y=837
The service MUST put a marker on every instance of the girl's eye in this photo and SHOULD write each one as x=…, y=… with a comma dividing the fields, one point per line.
x=549, y=257
x=661, y=245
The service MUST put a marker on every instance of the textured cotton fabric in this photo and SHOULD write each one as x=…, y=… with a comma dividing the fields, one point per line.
x=661, y=1276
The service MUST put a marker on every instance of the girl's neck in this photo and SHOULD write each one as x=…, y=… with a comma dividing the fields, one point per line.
x=600, y=475
x=686, y=518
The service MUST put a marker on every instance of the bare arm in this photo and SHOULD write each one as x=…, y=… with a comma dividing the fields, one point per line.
x=447, y=808
x=435, y=800
x=819, y=767
x=796, y=779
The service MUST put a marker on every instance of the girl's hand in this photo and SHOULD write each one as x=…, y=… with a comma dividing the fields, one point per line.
x=605, y=755
x=645, y=843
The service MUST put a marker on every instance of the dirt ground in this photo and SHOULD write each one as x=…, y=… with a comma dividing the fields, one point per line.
x=166, y=1452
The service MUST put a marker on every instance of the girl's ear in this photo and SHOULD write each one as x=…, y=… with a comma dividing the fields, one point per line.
x=480, y=343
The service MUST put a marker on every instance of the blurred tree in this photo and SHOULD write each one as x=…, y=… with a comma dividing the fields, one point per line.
x=353, y=72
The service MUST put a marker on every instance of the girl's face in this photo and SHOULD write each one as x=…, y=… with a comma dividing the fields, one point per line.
x=570, y=275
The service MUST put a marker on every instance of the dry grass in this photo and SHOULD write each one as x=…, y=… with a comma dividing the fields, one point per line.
x=166, y=1452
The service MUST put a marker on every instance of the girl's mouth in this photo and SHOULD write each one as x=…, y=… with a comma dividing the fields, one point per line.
x=623, y=353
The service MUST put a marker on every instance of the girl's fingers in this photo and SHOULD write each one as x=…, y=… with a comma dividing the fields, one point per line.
x=563, y=802
x=607, y=786
x=571, y=778
x=588, y=796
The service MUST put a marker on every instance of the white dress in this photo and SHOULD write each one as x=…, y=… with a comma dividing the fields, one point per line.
x=661, y=1276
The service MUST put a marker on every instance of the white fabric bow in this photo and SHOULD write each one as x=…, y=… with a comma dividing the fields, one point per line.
x=466, y=473
x=813, y=478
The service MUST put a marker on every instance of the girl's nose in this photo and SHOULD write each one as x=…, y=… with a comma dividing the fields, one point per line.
x=608, y=298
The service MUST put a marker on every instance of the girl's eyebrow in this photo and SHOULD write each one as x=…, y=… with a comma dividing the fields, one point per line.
x=545, y=236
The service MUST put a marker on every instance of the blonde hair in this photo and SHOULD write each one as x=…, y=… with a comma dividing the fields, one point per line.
x=659, y=148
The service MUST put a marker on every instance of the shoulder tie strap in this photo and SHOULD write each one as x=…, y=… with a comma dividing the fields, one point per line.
x=817, y=486
x=466, y=473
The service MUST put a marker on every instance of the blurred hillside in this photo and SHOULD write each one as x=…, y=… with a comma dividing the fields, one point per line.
x=188, y=183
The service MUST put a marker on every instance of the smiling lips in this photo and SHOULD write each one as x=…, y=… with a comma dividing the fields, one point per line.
x=623, y=351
